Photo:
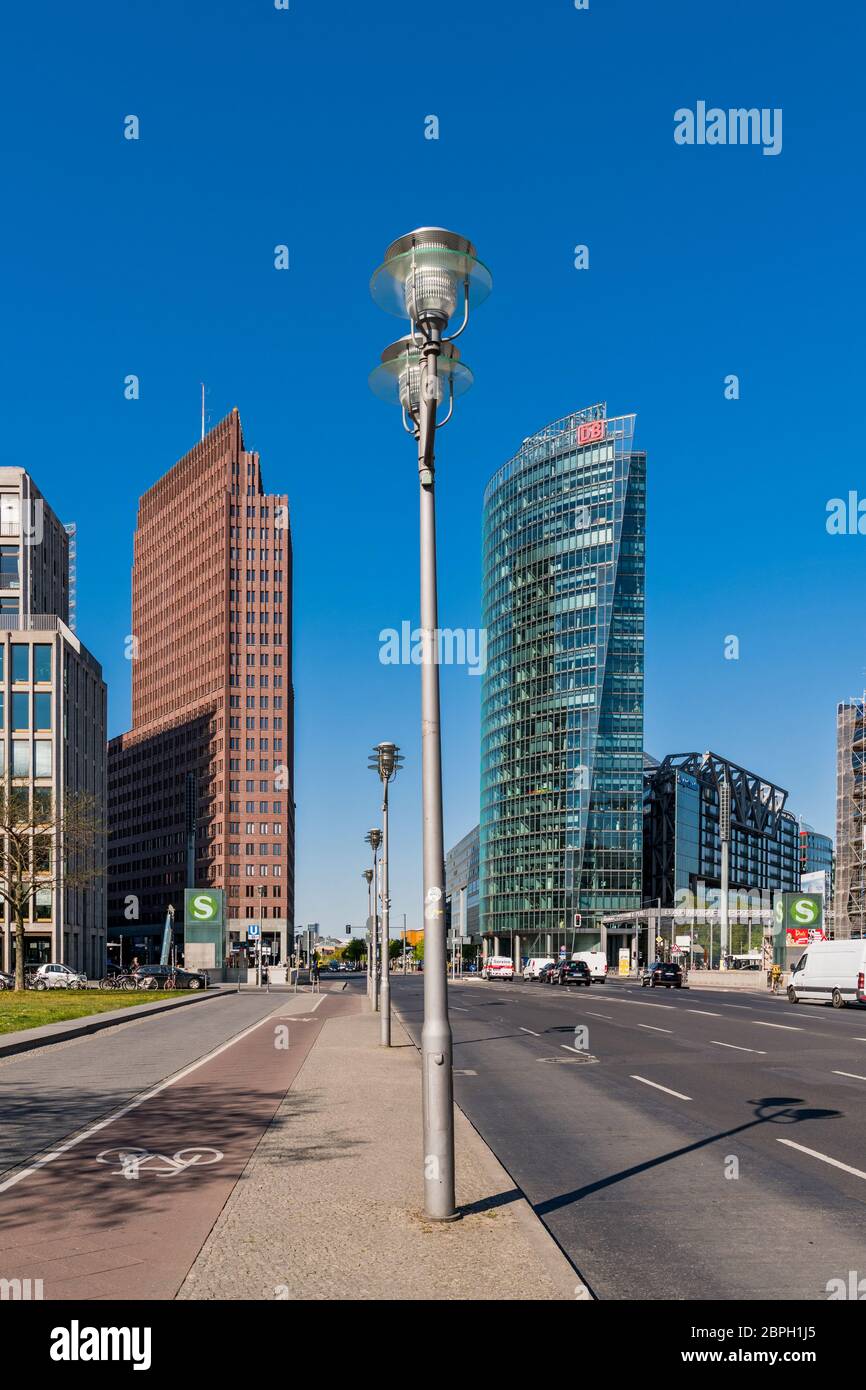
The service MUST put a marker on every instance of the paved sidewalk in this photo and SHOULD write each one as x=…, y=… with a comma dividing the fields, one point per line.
x=329, y=1205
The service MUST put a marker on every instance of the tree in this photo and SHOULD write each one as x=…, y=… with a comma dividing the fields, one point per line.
x=355, y=950
x=418, y=950
x=45, y=851
x=395, y=948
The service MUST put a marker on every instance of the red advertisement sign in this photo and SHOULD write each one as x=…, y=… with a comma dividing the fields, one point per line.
x=803, y=936
x=591, y=432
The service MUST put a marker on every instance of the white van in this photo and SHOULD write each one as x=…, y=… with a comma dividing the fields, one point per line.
x=830, y=972
x=597, y=962
x=498, y=968
x=533, y=966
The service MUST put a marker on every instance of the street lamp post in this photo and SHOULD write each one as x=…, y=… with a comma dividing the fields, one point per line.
x=385, y=761
x=367, y=875
x=424, y=277
x=374, y=840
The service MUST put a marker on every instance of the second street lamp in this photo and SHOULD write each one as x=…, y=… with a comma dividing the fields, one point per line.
x=385, y=761
x=374, y=840
x=367, y=875
x=427, y=276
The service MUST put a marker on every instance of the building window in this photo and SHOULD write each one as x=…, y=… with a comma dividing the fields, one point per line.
x=20, y=757
x=20, y=711
x=42, y=663
x=44, y=762
x=42, y=905
x=20, y=661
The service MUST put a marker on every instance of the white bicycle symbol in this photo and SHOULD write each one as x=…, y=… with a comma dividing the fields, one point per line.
x=132, y=1161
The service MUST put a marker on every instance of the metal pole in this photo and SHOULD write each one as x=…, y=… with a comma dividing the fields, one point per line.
x=436, y=1054
x=385, y=1001
x=369, y=919
x=404, y=943
x=374, y=943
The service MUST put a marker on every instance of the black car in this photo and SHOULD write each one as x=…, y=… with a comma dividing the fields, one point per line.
x=546, y=973
x=183, y=979
x=572, y=972
x=666, y=973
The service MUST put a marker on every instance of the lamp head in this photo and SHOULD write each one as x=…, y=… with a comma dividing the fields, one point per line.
x=427, y=273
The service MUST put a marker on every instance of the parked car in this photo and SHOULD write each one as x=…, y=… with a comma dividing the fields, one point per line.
x=55, y=976
x=498, y=968
x=534, y=966
x=572, y=972
x=184, y=979
x=546, y=972
x=830, y=972
x=666, y=973
x=6, y=981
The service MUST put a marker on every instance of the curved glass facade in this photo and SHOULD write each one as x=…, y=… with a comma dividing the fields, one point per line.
x=562, y=696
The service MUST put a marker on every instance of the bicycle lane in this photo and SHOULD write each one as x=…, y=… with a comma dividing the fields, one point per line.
x=122, y=1211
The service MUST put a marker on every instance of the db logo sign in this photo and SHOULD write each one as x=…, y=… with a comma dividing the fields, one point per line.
x=591, y=432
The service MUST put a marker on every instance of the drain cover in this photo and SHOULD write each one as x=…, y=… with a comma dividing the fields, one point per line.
x=577, y=1060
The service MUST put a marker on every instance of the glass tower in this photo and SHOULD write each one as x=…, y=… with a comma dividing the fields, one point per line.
x=562, y=696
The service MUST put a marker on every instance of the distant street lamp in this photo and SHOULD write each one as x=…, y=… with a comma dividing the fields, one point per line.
x=426, y=276
x=385, y=760
x=368, y=875
x=374, y=840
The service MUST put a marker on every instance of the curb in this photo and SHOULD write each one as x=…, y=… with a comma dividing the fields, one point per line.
x=558, y=1265
x=25, y=1041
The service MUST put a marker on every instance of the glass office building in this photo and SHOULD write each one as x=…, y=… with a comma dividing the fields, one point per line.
x=562, y=696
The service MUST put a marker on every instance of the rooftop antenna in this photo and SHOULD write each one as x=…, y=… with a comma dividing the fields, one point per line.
x=202, y=411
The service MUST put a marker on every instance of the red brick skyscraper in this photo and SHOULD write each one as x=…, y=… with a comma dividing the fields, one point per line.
x=201, y=790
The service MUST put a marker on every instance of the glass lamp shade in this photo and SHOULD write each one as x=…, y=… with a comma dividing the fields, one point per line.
x=398, y=377
x=426, y=273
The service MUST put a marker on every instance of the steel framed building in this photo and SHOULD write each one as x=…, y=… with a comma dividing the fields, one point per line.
x=562, y=696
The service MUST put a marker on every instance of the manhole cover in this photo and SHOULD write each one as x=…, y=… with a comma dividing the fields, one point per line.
x=577, y=1060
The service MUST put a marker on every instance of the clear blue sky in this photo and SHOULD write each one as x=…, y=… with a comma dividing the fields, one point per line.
x=306, y=127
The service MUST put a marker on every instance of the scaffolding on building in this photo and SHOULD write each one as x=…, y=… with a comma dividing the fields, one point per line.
x=849, y=901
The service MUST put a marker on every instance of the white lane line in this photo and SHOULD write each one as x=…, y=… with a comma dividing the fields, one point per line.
x=528, y=1030
x=859, y=1039
x=652, y=1029
x=825, y=1158
x=580, y=1051
x=788, y=1027
x=459, y=1007
x=706, y=1012
x=756, y=1050
x=667, y=1090
x=592, y=1015
x=853, y=1074
x=139, y=1100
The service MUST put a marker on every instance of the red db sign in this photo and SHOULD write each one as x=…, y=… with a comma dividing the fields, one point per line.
x=591, y=432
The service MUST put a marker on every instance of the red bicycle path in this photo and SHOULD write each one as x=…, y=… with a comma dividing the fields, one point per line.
x=89, y=1232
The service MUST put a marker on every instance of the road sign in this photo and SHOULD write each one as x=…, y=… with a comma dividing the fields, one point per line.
x=253, y=931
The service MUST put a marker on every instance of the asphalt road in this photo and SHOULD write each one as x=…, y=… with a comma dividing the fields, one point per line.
x=715, y=1148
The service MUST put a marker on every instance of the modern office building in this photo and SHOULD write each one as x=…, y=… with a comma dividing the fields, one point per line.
x=201, y=789
x=52, y=731
x=461, y=888
x=562, y=696
x=849, y=891
x=683, y=848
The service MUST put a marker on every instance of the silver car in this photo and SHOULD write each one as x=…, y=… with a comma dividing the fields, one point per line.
x=59, y=977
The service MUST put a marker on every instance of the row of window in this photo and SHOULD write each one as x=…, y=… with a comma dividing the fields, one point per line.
x=21, y=665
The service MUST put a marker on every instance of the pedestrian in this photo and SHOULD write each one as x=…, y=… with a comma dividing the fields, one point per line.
x=776, y=976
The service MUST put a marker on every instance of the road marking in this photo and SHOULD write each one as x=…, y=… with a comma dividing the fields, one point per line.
x=528, y=1030
x=859, y=1039
x=581, y=1052
x=788, y=1027
x=466, y=1072
x=756, y=1050
x=653, y=1029
x=592, y=1015
x=679, y=1095
x=825, y=1158
x=134, y=1104
x=853, y=1074
x=459, y=1007
x=706, y=1012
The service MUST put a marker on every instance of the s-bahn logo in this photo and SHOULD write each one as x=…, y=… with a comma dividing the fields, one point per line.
x=591, y=431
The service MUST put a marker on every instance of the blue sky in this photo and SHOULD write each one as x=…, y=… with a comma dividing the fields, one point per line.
x=306, y=127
